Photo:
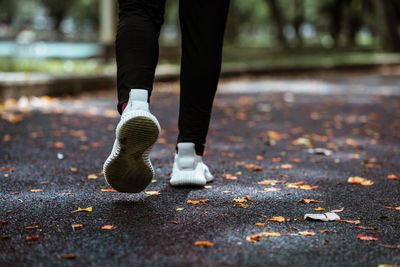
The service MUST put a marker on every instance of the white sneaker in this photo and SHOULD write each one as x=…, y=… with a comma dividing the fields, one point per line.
x=189, y=168
x=128, y=168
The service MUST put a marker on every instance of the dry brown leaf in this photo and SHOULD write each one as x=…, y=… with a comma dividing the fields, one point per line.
x=76, y=225
x=269, y=182
x=366, y=237
x=33, y=227
x=69, y=256
x=242, y=205
x=204, y=243
x=277, y=219
x=307, y=233
x=392, y=177
x=36, y=190
x=271, y=189
x=59, y=145
x=241, y=199
x=89, y=209
x=309, y=200
x=196, y=202
x=229, y=176
x=108, y=227
x=253, y=167
x=257, y=237
x=360, y=181
x=301, y=185
x=356, y=222
x=33, y=237
x=152, y=193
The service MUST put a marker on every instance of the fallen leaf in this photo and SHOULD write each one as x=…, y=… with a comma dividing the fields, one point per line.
x=301, y=185
x=92, y=176
x=33, y=237
x=257, y=237
x=242, y=205
x=76, y=225
x=12, y=118
x=89, y=209
x=387, y=265
x=59, y=145
x=260, y=224
x=271, y=189
x=196, y=202
x=204, y=244
x=152, y=193
x=7, y=138
x=366, y=237
x=307, y=233
x=392, y=177
x=259, y=157
x=69, y=256
x=319, y=209
x=36, y=190
x=309, y=200
x=277, y=219
x=241, y=199
x=229, y=176
x=108, y=227
x=269, y=182
x=253, y=167
x=108, y=190
x=179, y=209
x=32, y=227
x=356, y=222
x=73, y=169
x=338, y=210
x=286, y=166
x=320, y=151
x=360, y=181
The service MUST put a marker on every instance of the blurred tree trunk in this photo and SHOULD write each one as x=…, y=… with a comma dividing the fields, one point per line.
x=298, y=20
x=386, y=16
x=336, y=16
x=276, y=15
x=233, y=24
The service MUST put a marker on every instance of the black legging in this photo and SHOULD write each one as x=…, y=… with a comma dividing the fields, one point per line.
x=202, y=27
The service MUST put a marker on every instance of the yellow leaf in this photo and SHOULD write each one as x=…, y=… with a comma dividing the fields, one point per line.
x=242, y=205
x=89, y=209
x=179, y=209
x=319, y=209
x=260, y=224
x=92, y=176
x=360, y=181
x=204, y=243
x=196, y=202
x=277, y=219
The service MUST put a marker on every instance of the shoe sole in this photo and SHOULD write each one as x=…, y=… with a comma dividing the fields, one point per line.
x=129, y=170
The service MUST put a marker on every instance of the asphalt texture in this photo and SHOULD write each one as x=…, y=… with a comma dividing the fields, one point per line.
x=52, y=150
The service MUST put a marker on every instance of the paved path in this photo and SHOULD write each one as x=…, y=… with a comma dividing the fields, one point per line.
x=58, y=144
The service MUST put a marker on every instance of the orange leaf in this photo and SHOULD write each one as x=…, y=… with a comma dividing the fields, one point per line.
x=356, y=222
x=196, y=202
x=360, y=181
x=76, y=225
x=59, y=145
x=286, y=166
x=392, y=177
x=260, y=224
x=253, y=167
x=308, y=200
x=37, y=190
x=366, y=237
x=269, y=182
x=33, y=237
x=32, y=227
x=307, y=233
x=204, y=243
x=229, y=176
x=257, y=237
x=108, y=227
x=108, y=190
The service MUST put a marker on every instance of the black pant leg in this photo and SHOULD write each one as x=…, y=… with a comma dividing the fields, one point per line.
x=202, y=25
x=136, y=45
